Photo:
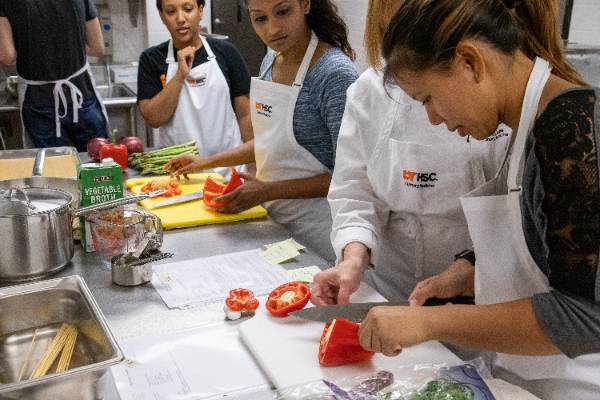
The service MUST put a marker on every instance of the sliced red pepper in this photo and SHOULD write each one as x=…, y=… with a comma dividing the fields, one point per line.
x=147, y=188
x=234, y=182
x=213, y=189
x=241, y=300
x=209, y=200
x=339, y=344
x=289, y=297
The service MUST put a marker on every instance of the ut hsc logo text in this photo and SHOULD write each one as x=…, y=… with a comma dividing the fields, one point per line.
x=264, y=109
x=419, y=179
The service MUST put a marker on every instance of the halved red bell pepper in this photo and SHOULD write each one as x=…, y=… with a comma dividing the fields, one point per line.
x=289, y=297
x=339, y=344
x=214, y=189
x=241, y=300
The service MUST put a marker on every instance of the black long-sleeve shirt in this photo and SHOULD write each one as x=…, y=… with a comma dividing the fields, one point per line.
x=561, y=218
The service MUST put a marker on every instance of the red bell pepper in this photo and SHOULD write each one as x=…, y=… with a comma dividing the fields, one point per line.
x=214, y=189
x=239, y=301
x=339, y=344
x=289, y=297
x=117, y=152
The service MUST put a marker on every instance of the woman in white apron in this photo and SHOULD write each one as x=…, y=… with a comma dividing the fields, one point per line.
x=297, y=105
x=63, y=107
x=535, y=226
x=194, y=95
x=395, y=190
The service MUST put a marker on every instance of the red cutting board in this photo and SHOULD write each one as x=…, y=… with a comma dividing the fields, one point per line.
x=192, y=213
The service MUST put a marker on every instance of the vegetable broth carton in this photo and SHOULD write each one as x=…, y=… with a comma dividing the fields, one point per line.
x=98, y=183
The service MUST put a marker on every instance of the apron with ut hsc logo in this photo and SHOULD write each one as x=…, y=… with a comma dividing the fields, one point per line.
x=506, y=271
x=204, y=112
x=420, y=171
x=280, y=157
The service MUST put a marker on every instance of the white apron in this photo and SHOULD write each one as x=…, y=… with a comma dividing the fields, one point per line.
x=204, y=112
x=61, y=99
x=420, y=174
x=280, y=157
x=506, y=271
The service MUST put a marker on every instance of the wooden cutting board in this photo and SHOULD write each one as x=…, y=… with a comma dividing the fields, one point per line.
x=192, y=213
x=287, y=348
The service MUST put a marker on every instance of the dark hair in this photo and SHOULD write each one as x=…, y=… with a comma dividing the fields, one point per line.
x=425, y=33
x=324, y=20
x=200, y=3
x=329, y=27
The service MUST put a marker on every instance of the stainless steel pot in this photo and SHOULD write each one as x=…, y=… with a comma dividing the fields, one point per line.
x=39, y=242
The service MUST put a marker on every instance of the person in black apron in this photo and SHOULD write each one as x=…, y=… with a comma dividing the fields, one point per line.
x=51, y=40
x=535, y=227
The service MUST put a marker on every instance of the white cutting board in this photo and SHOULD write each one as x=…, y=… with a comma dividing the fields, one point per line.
x=287, y=348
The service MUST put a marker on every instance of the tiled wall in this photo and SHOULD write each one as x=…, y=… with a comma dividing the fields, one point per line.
x=585, y=23
x=157, y=32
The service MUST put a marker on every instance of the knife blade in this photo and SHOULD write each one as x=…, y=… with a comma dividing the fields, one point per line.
x=177, y=200
x=356, y=312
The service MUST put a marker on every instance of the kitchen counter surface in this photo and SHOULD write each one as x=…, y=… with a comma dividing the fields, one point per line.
x=139, y=311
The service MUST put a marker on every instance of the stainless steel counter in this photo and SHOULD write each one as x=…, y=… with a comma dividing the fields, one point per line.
x=139, y=311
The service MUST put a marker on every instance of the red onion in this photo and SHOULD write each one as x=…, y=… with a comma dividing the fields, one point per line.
x=134, y=144
x=93, y=147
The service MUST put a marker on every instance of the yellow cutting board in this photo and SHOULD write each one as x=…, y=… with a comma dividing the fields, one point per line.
x=192, y=213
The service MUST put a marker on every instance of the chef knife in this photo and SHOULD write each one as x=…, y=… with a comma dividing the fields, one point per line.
x=358, y=311
x=177, y=200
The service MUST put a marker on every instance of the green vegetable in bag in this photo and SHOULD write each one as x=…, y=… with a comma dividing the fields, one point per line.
x=443, y=389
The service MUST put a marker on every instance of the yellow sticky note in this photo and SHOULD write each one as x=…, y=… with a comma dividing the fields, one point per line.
x=290, y=242
x=305, y=274
x=280, y=252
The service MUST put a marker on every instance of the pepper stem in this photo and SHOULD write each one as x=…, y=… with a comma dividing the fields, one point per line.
x=114, y=135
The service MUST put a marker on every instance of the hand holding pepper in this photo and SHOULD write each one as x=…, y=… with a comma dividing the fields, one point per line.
x=388, y=329
x=252, y=193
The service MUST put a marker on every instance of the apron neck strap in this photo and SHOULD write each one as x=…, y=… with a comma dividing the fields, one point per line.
x=535, y=86
x=209, y=51
x=310, y=52
x=171, y=53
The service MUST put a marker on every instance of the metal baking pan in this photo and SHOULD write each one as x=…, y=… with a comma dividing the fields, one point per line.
x=44, y=306
x=31, y=153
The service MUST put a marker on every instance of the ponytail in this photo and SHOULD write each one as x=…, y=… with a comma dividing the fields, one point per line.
x=425, y=33
x=539, y=20
x=324, y=20
x=379, y=13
